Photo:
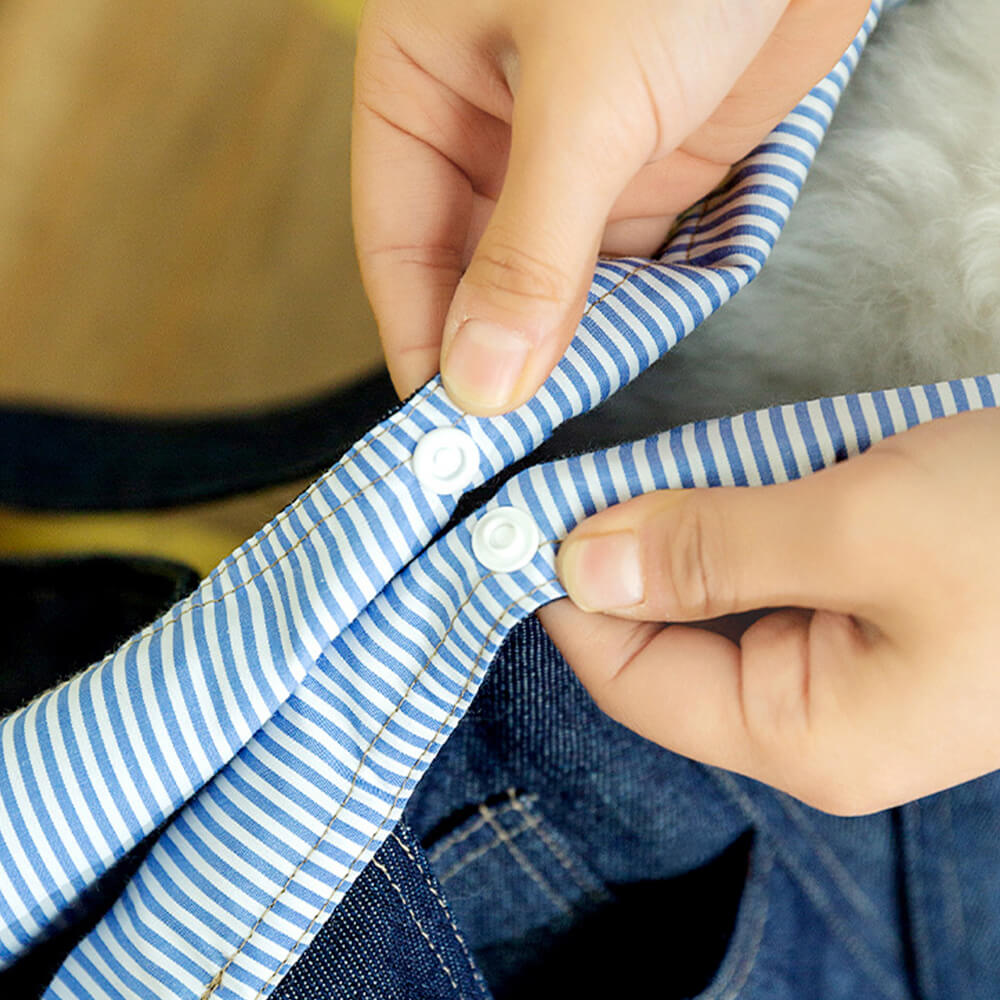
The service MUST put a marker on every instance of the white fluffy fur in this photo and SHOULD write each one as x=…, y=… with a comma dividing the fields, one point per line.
x=888, y=272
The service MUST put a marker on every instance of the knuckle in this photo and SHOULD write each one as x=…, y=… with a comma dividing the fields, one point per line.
x=501, y=268
x=697, y=580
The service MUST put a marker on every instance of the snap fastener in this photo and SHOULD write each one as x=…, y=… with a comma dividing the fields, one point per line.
x=445, y=460
x=505, y=539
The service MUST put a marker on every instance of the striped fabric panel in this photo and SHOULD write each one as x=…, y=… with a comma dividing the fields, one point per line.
x=89, y=769
x=300, y=811
x=102, y=760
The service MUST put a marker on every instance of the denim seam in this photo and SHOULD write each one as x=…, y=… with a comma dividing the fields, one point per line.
x=835, y=869
x=915, y=877
x=525, y=865
x=468, y=680
x=475, y=855
x=461, y=835
x=739, y=973
x=459, y=937
x=883, y=979
x=952, y=890
x=586, y=886
x=420, y=927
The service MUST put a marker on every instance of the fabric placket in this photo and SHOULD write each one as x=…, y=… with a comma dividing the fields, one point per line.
x=145, y=729
x=438, y=668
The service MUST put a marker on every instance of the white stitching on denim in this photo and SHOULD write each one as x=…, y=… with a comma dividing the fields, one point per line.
x=881, y=977
x=466, y=859
x=420, y=927
x=459, y=937
x=460, y=835
x=526, y=866
x=556, y=850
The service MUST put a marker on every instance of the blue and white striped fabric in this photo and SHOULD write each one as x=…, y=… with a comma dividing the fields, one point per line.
x=287, y=708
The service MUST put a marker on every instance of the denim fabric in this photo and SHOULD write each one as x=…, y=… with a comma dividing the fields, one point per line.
x=58, y=460
x=395, y=940
x=579, y=859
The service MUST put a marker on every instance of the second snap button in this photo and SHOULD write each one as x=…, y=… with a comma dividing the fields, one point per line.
x=505, y=539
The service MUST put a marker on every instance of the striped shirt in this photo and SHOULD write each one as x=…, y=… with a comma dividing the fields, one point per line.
x=281, y=715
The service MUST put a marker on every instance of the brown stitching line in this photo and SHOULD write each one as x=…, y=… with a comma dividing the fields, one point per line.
x=557, y=852
x=352, y=784
x=467, y=859
x=157, y=628
x=420, y=927
x=256, y=542
x=444, y=907
x=406, y=778
x=526, y=866
x=217, y=978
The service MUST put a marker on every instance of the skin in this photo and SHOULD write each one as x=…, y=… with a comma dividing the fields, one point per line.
x=499, y=145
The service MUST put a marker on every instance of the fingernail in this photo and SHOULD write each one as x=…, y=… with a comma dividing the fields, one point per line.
x=484, y=364
x=603, y=572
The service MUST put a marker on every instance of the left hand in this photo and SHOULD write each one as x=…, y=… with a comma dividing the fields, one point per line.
x=878, y=682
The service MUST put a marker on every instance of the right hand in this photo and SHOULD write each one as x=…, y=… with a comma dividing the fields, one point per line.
x=499, y=145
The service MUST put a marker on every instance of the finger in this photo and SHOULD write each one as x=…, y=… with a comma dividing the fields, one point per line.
x=687, y=555
x=411, y=209
x=521, y=298
x=769, y=707
x=574, y=149
x=807, y=42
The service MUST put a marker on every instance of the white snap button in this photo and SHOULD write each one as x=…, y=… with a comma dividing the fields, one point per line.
x=505, y=539
x=445, y=460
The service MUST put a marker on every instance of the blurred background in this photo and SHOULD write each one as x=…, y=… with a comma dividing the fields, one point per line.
x=175, y=237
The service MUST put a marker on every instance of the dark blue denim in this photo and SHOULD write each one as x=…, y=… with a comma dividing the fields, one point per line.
x=576, y=858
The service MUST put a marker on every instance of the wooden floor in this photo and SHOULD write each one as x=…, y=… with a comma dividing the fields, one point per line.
x=175, y=219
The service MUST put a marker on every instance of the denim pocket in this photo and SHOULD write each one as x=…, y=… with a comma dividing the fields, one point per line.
x=747, y=935
x=540, y=919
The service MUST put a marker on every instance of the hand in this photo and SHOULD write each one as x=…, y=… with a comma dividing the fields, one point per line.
x=879, y=682
x=499, y=144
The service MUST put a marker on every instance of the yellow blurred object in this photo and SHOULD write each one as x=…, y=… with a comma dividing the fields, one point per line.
x=199, y=536
x=345, y=13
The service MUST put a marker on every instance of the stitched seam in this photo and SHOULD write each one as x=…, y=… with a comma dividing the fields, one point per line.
x=459, y=938
x=420, y=927
x=526, y=866
x=460, y=836
x=255, y=543
x=730, y=988
x=882, y=978
x=482, y=849
x=559, y=854
x=951, y=889
x=385, y=818
x=352, y=783
x=454, y=839
x=156, y=629
x=841, y=877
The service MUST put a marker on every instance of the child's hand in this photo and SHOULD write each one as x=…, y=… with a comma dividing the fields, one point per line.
x=624, y=112
x=883, y=688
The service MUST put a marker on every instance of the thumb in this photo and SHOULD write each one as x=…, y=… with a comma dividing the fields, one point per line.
x=690, y=555
x=522, y=296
